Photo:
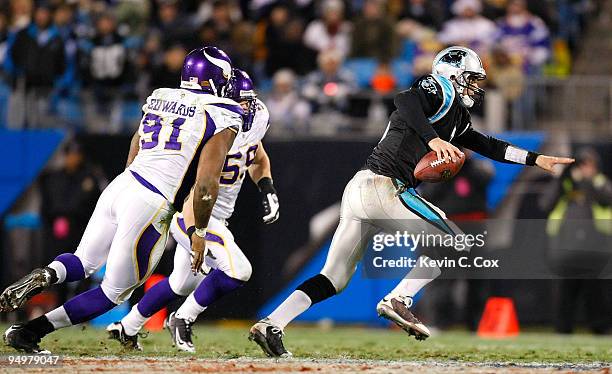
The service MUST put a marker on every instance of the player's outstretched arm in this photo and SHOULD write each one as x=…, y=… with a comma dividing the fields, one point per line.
x=502, y=151
x=206, y=189
x=134, y=147
x=261, y=173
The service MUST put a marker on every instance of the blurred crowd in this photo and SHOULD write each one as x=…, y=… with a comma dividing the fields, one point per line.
x=87, y=64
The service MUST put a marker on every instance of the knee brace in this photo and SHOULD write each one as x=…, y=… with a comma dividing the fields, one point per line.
x=318, y=288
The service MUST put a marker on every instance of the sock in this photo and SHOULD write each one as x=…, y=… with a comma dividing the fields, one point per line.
x=415, y=280
x=213, y=287
x=40, y=326
x=153, y=301
x=297, y=303
x=59, y=318
x=88, y=305
x=133, y=321
x=190, y=309
x=311, y=291
x=68, y=268
x=156, y=298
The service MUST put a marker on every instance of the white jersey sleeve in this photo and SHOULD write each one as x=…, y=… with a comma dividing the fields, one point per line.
x=237, y=162
x=176, y=124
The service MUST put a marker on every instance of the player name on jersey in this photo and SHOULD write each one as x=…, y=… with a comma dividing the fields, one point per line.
x=171, y=107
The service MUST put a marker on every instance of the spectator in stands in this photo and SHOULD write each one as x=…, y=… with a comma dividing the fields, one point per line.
x=373, y=34
x=223, y=23
x=524, y=36
x=468, y=27
x=506, y=77
x=64, y=21
x=20, y=14
x=327, y=89
x=173, y=26
x=107, y=74
x=288, y=112
x=168, y=74
x=428, y=13
x=284, y=45
x=35, y=60
x=332, y=32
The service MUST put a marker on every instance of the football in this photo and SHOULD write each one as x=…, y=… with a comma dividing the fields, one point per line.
x=430, y=169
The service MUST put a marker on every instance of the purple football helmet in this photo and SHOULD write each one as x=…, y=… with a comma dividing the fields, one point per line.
x=208, y=69
x=242, y=89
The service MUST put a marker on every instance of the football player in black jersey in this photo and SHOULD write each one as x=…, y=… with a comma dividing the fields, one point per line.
x=432, y=115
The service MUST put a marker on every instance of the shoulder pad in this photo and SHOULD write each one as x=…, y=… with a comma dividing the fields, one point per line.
x=444, y=92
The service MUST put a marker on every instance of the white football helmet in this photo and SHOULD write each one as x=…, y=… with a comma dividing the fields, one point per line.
x=463, y=67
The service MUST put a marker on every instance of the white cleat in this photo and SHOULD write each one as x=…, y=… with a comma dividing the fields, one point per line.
x=396, y=309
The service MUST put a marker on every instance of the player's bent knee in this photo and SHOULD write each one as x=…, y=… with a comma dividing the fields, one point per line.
x=243, y=272
x=318, y=288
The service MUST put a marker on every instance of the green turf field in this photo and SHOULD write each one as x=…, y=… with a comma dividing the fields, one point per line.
x=348, y=343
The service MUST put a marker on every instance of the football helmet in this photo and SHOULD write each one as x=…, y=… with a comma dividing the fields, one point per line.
x=463, y=67
x=243, y=89
x=208, y=69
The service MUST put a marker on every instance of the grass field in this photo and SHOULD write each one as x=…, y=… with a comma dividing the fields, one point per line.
x=226, y=349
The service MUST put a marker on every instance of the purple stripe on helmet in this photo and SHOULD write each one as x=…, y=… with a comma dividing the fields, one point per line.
x=146, y=183
x=88, y=305
x=145, y=245
x=73, y=265
x=231, y=107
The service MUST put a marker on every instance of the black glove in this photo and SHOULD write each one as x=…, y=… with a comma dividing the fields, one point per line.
x=269, y=199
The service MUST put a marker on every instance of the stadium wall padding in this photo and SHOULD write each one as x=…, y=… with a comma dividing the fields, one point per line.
x=24, y=154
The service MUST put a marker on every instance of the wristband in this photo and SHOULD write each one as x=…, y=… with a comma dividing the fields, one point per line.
x=199, y=232
x=531, y=158
x=265, y=185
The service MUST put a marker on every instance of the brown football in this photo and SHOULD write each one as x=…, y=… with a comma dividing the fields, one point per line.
x=430, y=169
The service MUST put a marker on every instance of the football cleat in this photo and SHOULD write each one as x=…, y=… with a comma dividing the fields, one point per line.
x=269, y=338
x=117, y=332
x=396, y=309
x=24, y=340
x=180, y=331
x=15, y=295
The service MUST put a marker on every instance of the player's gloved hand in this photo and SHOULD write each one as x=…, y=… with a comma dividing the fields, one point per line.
x=445, y=150
x=199, y=250
x=269, y=199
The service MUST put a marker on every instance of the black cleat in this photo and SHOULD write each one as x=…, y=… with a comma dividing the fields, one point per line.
x=269, y=338
x=181, y=332
x=23, y=340
x=117, y=332
x=396, y=309
x=15, y=295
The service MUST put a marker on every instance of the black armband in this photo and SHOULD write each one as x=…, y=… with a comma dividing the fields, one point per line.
x=190, y=231
x=265, y=185
x=531, y=158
